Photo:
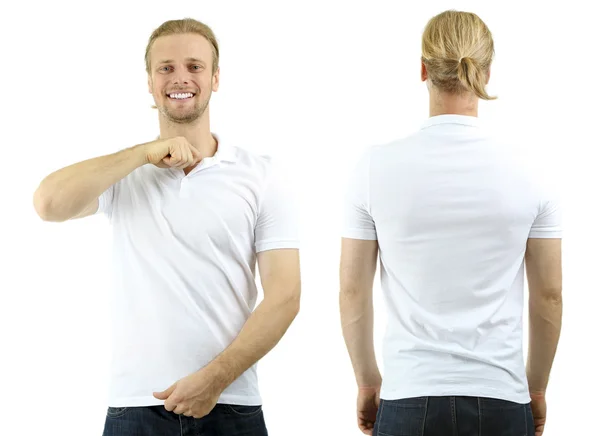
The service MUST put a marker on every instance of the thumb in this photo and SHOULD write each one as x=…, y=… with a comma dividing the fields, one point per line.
x=196, y=155
x=166, y=161
x=164, y=394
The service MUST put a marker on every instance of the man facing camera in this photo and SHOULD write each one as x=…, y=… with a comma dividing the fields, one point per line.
x=192, y=215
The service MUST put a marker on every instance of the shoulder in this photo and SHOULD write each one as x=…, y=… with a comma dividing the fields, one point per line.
x=388, y=151
x=259, y=164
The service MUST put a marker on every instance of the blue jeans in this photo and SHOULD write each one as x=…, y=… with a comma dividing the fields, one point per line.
x=453, y=416
x=223, y=420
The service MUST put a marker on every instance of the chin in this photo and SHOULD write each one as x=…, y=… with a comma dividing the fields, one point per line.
x=181, y=117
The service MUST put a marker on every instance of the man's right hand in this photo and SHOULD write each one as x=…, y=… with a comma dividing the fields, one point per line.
x=538, y=407
x=172, y=153
x=367, y=405
x=73, y=191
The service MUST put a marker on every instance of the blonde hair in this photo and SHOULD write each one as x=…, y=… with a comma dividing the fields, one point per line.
x=457, y=50
x=186, y=25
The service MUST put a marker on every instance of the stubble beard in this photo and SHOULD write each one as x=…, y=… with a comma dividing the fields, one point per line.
x=186, y=117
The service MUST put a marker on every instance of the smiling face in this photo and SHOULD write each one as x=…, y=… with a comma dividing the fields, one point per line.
x=181, y=77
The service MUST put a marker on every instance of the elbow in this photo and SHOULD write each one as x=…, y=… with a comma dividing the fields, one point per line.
x=296, y=306
x=42, y=204
x=547, y=298
x=353, y=293
x=555, y=297
x=292, y=302
x=284, y=301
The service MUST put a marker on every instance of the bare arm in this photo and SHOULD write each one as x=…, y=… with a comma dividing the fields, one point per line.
x=73, y=191
x=544, y=274
x=357, y=272
x=280, y=277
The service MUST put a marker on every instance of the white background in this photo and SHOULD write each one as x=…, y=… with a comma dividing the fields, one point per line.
x=313, y=83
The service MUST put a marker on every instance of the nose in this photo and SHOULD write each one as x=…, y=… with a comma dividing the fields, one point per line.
x=181, y=76
x=180, y=81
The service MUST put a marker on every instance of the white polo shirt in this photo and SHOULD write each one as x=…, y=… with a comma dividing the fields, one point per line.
x=451, y=210
x=184, y=268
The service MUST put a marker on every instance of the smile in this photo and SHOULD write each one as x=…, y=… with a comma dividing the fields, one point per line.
x=181, y=96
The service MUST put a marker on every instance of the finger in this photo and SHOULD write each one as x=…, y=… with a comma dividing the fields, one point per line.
x=184, y=160
x=173, y=164
x=168, y=162
x=362, y=425
x=195, y=154
x=170, y=406
x=175, y=158
x=366, y=430
x=180, y=409
x=164, y=394
x=180, y=158
x=190, y=158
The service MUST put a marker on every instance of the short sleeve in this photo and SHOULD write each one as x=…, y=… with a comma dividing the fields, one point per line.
x=105, y=201
x=357, y=220
x=277, y=225
x=548, y=223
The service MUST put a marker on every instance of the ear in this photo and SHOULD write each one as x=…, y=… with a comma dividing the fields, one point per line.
x=215, y=84
x=149, y=84
x=423, y=71
x=487, y=79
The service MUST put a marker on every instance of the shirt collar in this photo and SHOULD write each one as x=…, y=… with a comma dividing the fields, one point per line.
x=465, y=120
x=225, y=152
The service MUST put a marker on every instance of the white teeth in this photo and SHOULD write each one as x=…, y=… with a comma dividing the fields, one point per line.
x=181, y=96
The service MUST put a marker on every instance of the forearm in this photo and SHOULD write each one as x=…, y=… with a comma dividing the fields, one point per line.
x=261, y=332
x=545, y=319
x=356, y=309
x=66, y=192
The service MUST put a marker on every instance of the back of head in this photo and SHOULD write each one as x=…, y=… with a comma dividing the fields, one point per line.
x=457, y=50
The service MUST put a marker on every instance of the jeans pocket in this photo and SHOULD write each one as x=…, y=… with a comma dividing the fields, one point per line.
x=401, y=417
x=246, y=411
x=503, y=418
x=530, y=421
x=116, y=412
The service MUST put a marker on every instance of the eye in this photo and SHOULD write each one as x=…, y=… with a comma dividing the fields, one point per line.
x=197, y=67
x=163, y=68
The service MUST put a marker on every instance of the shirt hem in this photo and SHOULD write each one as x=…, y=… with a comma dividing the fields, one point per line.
x=542, y=235
x=400, y=394
x=275, y=245
x=148, y=401
x=357, y=234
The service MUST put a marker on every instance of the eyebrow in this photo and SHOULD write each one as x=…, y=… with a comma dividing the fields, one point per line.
x=170, y=61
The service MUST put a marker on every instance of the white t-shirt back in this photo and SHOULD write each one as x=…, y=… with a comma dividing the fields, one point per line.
x=451, y=209
x=184, y=267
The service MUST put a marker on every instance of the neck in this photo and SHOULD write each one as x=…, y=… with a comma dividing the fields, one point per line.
x=444, y=104
x=197, y=133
